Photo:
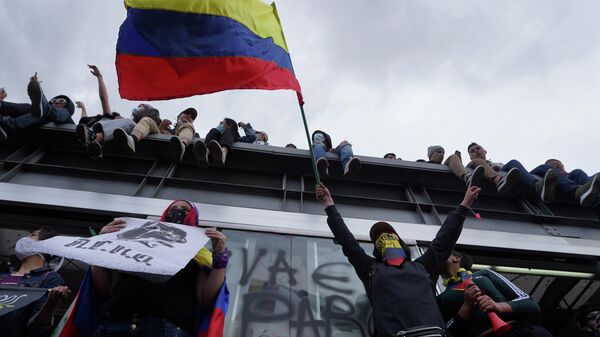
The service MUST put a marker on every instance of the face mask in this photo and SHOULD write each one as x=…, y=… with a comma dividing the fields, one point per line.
x=388, y=245
x=221, y=127
x=176, y=215
x=180, y=121
x=318, y=138
x=23, y=248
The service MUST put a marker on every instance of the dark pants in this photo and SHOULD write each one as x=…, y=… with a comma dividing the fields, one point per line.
x=526, y=179
x=16, y=116
x=144, y=327
x=528, y=330
x=227, y=138
x=569, y=182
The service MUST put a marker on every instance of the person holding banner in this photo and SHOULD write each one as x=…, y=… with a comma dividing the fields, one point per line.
x=36, y=318
x=136, y=306
x=469, y=297
x=401, y=291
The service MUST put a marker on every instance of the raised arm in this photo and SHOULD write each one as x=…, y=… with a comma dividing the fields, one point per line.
x=435, y=258
x=207, y=287
x=356, y=255
x=103, y=93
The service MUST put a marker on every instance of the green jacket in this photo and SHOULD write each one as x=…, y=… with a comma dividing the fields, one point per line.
x=499, y=289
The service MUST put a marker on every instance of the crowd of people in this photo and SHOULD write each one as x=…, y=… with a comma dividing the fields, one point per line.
x=401, y=290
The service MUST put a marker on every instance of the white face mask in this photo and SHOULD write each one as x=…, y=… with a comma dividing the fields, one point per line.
x=318, y=138
x=24, y=248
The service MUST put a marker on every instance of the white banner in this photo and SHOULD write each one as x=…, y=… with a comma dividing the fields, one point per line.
x=143, y=246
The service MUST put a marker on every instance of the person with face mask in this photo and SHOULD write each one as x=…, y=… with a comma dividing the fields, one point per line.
x=15, y=117
x=401, y=291
x=183, y=131
x=217, y=144
x=469, y=296
x=134, y=306
x=36, y=319
x=322, y=144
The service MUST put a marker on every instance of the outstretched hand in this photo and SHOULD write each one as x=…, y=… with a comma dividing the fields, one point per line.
x=56, y=294
x=80, y=105
x=112, y=227
x=34, y=77
x=323, y=195
x=217, y=239
x=94, y=70
x=470, y=196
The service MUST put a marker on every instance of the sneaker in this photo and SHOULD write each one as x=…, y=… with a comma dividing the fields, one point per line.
x=323, y=168
x=94, y=150
x=546, y=187
x=587, y=193
x=507, y=182
x=352, y=167
x=124, y=140
x=34, y=90
x=476, y=177
x=3, y=135
x=215, y=153
x=200, y=152
x=83, y=134
x=178, y=147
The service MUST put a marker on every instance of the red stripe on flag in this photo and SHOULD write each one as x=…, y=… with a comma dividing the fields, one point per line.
x=155, y=78
x=217, y=323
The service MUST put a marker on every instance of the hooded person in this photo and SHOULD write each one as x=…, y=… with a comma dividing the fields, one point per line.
x=401, y=291
x=322, y=144
x=217, y=144
x=192, y=301
x=15, y=117
x=469, y=296
x=35, y=271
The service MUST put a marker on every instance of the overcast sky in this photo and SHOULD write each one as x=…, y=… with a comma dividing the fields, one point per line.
x=522, y=78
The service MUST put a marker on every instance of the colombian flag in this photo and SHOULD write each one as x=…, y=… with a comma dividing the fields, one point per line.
x=179, y=48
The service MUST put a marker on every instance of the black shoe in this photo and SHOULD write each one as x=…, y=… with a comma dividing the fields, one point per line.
x=587, y=193
x=200, y=152
x=215, y=153
x=94, y=150
x=352, y=167
x=124, y=141
x=546, y=188
x=476, y=177
x=3, y=135
x=83, y=134
x=323, y=168
x=34, y=90
x=178, y=147
x=507, y=182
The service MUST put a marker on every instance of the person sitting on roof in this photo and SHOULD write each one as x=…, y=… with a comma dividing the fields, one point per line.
x=93, y=132
x=322, y=144
x=252, y=136
x=36, y=271
x=218, y=144
x=401, y=291
x=290, y=146
x=577, y=184
x=148, y=122
x=15, y=117
x=135, y=306
x=469, y=296
x=390, y=155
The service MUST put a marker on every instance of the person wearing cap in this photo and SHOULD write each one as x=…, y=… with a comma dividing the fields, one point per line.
x=35, y=319
x=435, y=153
x=469, y=296
x=322, y=144
x=93, y=132
x=217, y=144
x=15, y=117
x=183, y=131
x=390, y=155
x=252, y=136
x=401, y=291
x=135, y=306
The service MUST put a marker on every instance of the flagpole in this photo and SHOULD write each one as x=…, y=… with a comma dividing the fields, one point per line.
x=310, y=147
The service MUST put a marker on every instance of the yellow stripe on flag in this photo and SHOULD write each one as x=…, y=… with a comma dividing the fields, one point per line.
x=254, y=14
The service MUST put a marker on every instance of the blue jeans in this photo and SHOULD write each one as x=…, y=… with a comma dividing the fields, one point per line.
x=565, y=183
x=526, y=179
x=147, y=326
x=344, y=152
x=21, y=120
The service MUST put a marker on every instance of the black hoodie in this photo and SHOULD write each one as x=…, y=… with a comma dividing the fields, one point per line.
x=70, y=105
x=327, y=139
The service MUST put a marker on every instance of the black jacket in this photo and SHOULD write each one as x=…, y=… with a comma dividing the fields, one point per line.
x=401, y=297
